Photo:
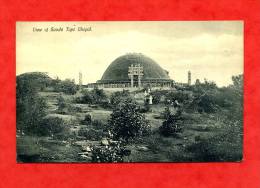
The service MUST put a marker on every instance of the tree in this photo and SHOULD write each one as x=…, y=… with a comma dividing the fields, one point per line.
x=197, y=82
x=172, y=124
x=52, y=126
x=61, y=103
x=127, y=122
x=69, y=87
x=31, y=108
x=120, y=96
x=238, y=82
x=98, y=95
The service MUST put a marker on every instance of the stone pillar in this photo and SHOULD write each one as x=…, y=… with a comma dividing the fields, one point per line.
x=132, y=81
x=189, y=78
x=139, y=81
x=150, y=99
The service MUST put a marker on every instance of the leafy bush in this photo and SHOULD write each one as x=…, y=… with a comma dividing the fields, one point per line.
x=61, y=103
x=179, y=96
x=51, y=126
x=38, y=80
x=109, y=153
x=95, y=96
x=87, y=97
x=119, y=97
x=67, y=86
x=207, y=103
x=87, y=120
x=30, y=107
x=98, y=95
x=91, y=134
x=224, y=146
x=146, y=108
x=173, y=122
x=97, y=124
x=157, y=95
x=127, y=122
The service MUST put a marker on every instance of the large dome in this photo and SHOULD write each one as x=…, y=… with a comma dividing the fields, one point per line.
x=117, y=71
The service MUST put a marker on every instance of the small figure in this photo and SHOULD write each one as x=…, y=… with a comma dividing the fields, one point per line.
x=150, y=99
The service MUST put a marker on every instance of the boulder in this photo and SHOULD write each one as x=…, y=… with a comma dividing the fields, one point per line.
x=86, y=148
x=85, y=157
x=142, y=148
x=104, y=142
x=113, y=142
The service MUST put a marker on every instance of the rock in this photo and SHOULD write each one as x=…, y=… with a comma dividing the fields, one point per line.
x=86, y=148
x=104, y=142
x=142, y=148
x=112, y=142
x=85, y=156
x=83, y=153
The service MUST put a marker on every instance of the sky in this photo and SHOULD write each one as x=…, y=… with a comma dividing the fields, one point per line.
x=209, y=49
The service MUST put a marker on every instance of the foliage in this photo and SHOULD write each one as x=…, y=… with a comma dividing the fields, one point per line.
x=87, y=97
x=95, y=96
x=87, y=120
x=172, y=124
x=127, y=122
x=207, y=103
x=111, y=153
x=120, y=96
x=98, y=95
x=226, y=145
x=91, y=134
x=179, y=96
x=156, y=97
x=67, y=86
x=30, y=107
x=97, y=124
x=146, y=107
x=40, y=80
x=51, y=126
x=209, y=98
x=238, y=82
x=61, y=103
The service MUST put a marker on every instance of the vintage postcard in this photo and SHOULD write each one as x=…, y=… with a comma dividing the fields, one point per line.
x=129, y=91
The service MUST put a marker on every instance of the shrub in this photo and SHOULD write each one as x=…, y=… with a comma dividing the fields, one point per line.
x=61, y=102
x=87, y=120
x=97, y=124
x=105, y=104
x=224, y=146
x=180, y=96
x=67, y=86
x=207, y=103
x=120, y=96
x=109, y=153
x=87, y=98
x=98, y=95
x=173, y=122
x=156, y=97
x=95, y=96
x=30, y=107
x=91, y=134
x=51, y=126
x=127, y=122
x=145, y=108
x=171, y=126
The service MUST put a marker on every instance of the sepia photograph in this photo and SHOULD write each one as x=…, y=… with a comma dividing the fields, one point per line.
x=129, y=91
